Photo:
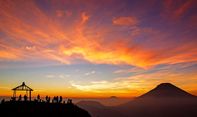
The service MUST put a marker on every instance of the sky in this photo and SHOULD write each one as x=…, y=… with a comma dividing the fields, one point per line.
x=97, y=48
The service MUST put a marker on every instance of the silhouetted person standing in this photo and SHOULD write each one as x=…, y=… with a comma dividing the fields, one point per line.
x=25, y=98
x=46, y=98
x=53, y=100
x=49, y=99
x=60, y=101
x=19, y=98
x=38, y=98
x=57, y=99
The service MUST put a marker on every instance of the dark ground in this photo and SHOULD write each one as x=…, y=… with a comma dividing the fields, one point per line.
x=37, y=109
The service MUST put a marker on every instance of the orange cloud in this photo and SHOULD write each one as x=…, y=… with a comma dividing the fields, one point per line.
x=59, y=13
x=84, y=17
x=44, y=38
x=8, y=55
x=125, y=21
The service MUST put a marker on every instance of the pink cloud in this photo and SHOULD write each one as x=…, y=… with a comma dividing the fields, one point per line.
x=125, y=21
x=62, y=13
x=183, y=8
x=176, y=9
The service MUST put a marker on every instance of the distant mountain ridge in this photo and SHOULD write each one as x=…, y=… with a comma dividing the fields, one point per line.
x=164, y=90
x=96, y=109
x=165, y=100
x=91, y=103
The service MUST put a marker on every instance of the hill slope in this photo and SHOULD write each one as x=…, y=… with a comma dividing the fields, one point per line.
x=34, y=109
x=96, y=109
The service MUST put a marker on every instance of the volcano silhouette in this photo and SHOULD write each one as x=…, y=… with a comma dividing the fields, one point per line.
x=165, y=100
x=166, y=90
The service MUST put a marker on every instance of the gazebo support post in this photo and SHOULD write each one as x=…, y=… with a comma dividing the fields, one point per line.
x=14, y=94
x=29, y=95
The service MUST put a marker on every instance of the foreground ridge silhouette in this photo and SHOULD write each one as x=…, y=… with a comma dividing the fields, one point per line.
x=27, y=108
x=37, y=109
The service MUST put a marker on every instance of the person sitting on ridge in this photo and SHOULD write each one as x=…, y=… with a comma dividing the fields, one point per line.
x=13, y=99
x=69, y=101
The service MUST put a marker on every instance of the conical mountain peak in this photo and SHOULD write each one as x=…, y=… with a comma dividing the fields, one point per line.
x=164, y=90
x=166, y=86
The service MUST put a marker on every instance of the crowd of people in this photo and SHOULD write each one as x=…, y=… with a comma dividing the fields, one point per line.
x=19, y=98
x=56, y=99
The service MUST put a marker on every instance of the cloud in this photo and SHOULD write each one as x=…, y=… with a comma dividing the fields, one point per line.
x=130, y=86
x=175, y=10
x=131, y=70
x=62, y=13
x=50, y=76
x=59, y=13
x=103, y=86
x=4, y=87
x=142, y=82
x=140, y=38
x=62, y=76
x=183, y=8
x=90, y=73
x=84, y=17
x=8, y=55
x=35, y=35
x=125, y=21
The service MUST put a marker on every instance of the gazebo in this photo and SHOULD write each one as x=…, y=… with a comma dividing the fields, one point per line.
x=23, y=87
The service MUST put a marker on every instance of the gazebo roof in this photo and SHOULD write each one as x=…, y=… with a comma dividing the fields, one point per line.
x=23, y=87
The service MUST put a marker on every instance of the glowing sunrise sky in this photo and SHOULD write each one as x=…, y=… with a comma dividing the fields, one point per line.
x=97, y=48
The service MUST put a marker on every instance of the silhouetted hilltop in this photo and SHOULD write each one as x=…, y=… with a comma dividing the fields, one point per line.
x=36, y=109
x=90, y=103
x=96, y=109
x=113, y=97
x=164, y=90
